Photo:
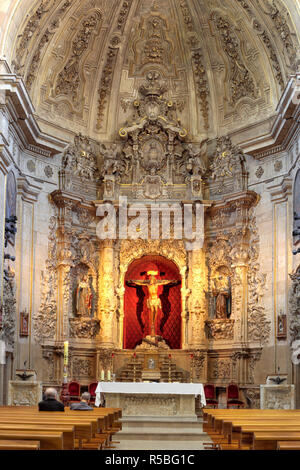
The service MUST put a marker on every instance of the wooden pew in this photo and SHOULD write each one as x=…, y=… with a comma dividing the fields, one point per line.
x=288, y=445
x=238, y=427
x=267, y=440
x=19, y=445
x=67, y=431
x=94, y=427
x=49, y=440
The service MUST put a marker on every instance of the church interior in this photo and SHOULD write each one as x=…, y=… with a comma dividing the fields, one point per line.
x=150, y=200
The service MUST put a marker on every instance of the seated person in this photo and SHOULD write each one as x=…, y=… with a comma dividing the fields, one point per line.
x=83, y=404
x=50, y=402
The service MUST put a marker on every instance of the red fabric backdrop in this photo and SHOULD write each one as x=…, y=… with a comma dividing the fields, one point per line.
x=136, y=318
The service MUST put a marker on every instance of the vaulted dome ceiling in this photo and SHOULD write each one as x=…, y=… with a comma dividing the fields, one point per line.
x=224, y=62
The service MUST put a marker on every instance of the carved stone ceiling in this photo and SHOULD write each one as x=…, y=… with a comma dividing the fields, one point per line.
x=225, y=62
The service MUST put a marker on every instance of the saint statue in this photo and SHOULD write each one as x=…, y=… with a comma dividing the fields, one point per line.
x=153, y=301
x=222, y=293
x=84, y=298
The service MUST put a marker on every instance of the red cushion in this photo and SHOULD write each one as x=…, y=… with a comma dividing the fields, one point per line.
x=209, y=391
x=92, y=388
x=74, y=388
x=232, y=391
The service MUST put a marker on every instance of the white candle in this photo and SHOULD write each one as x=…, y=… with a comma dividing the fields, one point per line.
x=102, y=375
x=66, y=352
x=108, y=375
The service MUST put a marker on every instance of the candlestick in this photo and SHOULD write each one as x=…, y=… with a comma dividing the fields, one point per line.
x=191, y=374
x=102, y=375
x=66, y=352
x=108, y=375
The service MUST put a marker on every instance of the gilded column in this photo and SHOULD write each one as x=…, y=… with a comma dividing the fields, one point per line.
x=107, y=298
x=197, y=299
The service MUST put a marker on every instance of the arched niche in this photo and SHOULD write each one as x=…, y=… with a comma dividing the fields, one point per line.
x=136, y=315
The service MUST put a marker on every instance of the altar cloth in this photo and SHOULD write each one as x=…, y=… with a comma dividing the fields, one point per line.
x=159, y=388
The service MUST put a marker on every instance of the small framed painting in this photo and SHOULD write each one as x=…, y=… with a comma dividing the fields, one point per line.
x=281, y=326
x=24, y=320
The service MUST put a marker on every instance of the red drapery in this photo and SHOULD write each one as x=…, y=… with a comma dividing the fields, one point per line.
x=136, y=318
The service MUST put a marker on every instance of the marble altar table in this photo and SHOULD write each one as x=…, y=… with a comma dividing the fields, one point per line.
x=151, y=399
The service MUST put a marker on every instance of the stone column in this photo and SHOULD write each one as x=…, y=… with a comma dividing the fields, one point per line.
x=107, y=298
x=240, y=259
x=27, y=192
x=64, y=265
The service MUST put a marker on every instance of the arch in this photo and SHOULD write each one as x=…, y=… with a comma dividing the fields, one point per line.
x=136, y=318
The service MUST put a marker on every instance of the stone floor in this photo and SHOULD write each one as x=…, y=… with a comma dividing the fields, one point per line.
x=160, y=434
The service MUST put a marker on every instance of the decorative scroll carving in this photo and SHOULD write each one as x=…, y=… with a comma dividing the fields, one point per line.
x=241, y=82
x=199, y=361
x=124, y=14
x=202, y=85
x=68, y=79
x=84, y=327
x=82, y=367
x=294, y=304
x=79, y=159
x=106, y=83
x=44, y=325
x=152, y=45
x=259, y=172
x=228, y=168
x=35, y=62
x=253, y=395
x=282, y=27
x=156, y=406
x=272, y=54
x=220, y=329
x=29, y=31
x=258, y=326
x=9, y=313
x=220, y=369
x=171, y=249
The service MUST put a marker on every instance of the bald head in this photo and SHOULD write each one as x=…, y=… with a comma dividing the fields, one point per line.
x=85, y=396
x=50, y=393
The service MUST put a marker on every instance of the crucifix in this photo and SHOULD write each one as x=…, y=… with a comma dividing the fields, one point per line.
x=153, y=301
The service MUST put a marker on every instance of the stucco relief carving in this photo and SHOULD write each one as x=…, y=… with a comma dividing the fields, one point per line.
x=253, y=395
x=87, y=328
x=44, y=324
x=220, y=329
x=228, y=172
x=105, y=84
x=220, y=369
x=294, y=304
x=135, y=405
x=152, y=44
x=9, y=313
x=280, y=18
x=68, y=80
x=82, y=367
x=242, y=83
x=79, y=159
x=201, y=85
x=258, y=324
x=29, y=32
x=31, y=73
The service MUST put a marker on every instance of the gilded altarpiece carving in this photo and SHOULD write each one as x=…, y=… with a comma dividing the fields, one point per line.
x=223, y=324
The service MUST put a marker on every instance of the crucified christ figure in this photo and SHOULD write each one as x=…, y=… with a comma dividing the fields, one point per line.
x=153, y=301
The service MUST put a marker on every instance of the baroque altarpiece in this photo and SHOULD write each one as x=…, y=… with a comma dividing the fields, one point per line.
x=212, y=323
